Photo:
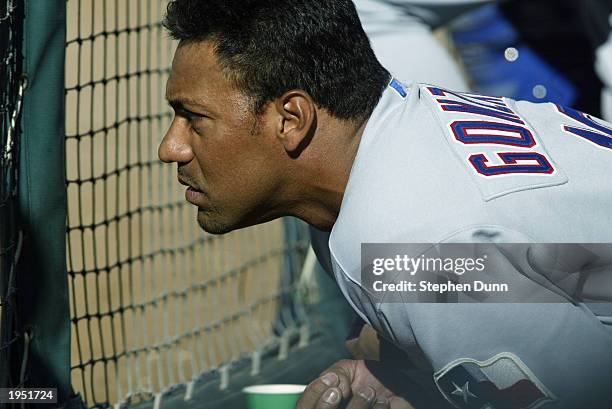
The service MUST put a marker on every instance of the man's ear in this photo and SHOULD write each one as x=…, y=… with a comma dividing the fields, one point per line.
x=296, y=119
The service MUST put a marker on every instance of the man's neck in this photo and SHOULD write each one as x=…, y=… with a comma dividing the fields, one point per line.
x=324, y=181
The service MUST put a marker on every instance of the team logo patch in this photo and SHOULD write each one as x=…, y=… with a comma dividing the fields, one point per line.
x=502, y=382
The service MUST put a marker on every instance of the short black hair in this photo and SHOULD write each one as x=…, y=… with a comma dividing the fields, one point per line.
x=268, y=47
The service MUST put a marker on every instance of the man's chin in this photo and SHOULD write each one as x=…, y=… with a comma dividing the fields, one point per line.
x=210, y=224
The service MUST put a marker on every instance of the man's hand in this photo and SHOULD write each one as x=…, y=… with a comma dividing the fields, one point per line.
x=366, y=345
x=349, y=384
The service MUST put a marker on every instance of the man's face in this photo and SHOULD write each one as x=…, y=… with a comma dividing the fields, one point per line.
x=229, y=158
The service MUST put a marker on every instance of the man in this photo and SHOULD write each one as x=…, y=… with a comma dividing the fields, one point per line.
x=278, y=103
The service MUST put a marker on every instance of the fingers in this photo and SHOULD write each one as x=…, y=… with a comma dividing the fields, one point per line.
x=314, y=393
x=344, y=369
x=330, y=399
x=362, y=399
x=381, y=403
x=333, y=389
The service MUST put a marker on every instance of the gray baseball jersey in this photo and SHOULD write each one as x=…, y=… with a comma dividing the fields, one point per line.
x=440, y=166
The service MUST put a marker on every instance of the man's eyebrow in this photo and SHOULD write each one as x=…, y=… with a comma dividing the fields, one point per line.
x=180, y=102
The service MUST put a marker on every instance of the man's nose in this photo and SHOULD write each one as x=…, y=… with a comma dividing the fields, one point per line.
x=175, y=146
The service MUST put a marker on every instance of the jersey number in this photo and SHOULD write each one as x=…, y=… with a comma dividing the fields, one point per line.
x=595, y=132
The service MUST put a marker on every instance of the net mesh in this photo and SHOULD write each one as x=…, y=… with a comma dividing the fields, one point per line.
x=11, y=94
x=155, y=302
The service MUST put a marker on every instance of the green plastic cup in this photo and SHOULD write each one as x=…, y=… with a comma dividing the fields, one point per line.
x=273, y=396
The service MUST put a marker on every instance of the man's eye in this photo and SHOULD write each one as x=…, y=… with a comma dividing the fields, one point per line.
x=196, y=122
x=195, y=118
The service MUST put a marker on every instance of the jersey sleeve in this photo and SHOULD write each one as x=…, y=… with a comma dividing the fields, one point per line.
x=506, y=355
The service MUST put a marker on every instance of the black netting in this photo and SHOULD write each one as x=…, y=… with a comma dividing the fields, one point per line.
x=11, y=93
x=155, y=302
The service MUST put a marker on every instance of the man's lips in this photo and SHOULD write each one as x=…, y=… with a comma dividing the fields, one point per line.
x=192, y=195
x=184, y=182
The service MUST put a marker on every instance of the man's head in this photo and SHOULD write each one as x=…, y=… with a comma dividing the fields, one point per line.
x=252, y=83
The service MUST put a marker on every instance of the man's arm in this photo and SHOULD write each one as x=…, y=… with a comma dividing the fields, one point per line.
x=493, y=353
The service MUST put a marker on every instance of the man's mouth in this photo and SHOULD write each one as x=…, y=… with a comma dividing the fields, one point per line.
x=192, y=195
